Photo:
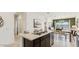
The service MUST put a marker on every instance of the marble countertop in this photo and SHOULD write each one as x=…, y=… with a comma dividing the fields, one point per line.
x=31, y=36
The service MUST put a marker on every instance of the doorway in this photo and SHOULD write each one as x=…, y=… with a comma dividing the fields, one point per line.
x=19, y=19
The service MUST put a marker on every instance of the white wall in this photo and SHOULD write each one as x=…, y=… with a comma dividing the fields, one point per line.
x=7, y=31
x=49, y=16
x=30, y=17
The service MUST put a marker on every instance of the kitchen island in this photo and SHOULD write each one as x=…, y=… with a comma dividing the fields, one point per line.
x=33, y=40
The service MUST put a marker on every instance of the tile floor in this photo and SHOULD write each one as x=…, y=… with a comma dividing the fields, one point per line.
x=60, y=41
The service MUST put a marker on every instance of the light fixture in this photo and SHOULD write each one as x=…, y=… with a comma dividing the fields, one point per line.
x=74, y=27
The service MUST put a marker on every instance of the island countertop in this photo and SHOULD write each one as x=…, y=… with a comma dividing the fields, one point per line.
x=31, y=36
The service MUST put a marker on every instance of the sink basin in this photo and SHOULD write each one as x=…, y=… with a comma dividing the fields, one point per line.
x=39, y=33
x=26, y=32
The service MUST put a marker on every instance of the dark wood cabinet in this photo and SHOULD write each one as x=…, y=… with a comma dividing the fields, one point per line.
x=36, y=43
x=43, y=41
x=48, y=40
x=27, y=43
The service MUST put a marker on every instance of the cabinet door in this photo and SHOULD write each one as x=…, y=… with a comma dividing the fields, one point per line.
x=36, y=43
x=43, y=41
x=27, y=43
x=48, y=40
